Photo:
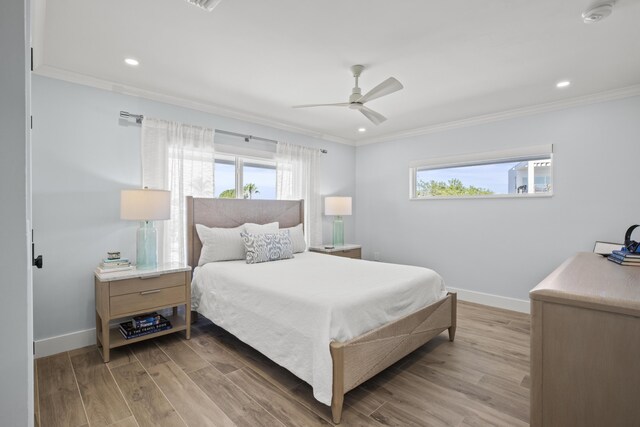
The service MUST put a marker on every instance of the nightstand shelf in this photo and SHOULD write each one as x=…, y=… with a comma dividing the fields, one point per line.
x=178, y=323
x=346, y=251
x=122, y=295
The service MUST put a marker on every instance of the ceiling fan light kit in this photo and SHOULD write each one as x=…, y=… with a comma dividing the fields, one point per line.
x=357, y=100
x=597, y=11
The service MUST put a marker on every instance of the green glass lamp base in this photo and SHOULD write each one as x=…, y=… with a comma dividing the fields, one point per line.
x=147, y=246
x=338, y=231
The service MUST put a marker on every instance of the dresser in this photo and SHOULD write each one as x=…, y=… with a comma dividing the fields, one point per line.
x=585, y=345
x=122, y=295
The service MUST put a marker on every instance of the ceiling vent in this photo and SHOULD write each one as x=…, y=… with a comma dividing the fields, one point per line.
x=597, y=12
x=207, y=5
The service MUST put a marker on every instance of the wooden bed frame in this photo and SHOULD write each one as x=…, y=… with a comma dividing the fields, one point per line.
x=354, y=361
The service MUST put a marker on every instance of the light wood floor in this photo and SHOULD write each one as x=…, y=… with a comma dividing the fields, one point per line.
x=215, y=380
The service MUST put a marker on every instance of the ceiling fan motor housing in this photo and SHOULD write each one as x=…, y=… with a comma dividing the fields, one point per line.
x=355, y=94
x=598, y=11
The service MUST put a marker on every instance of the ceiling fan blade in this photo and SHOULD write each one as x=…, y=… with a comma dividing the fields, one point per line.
x=385, y=88
x=339, y=104
x=375, y=117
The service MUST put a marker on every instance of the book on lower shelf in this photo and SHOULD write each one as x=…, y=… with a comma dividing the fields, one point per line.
x=149, y=319
x=128, y=330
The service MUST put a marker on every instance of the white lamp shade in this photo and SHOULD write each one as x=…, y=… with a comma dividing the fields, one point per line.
x=145, y=204
x=337, y=206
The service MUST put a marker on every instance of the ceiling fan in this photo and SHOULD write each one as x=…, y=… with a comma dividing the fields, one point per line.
x=357, y=100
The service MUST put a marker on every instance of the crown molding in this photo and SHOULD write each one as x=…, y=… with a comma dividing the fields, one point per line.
x=69, y=76
x=609, y=95
x=82, y=79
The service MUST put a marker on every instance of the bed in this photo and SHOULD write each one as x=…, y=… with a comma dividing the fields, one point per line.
x=338, y=338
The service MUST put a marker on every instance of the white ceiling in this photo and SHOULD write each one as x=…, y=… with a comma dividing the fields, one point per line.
x=256, y=58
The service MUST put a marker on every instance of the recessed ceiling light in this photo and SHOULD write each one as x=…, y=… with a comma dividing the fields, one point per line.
x=362, y=130
x=564, y=83
x=131, y=61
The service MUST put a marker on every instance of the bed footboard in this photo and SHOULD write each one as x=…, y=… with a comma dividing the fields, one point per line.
x=361, y=358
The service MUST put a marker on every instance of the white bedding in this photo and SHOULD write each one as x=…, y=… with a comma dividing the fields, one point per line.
x=291, y=310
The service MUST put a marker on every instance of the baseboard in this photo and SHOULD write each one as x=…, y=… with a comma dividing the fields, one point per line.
x=66, y=342
x=73, y=340
x=506, y=303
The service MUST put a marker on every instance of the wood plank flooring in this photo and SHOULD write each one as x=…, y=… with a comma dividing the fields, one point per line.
x=215, y=380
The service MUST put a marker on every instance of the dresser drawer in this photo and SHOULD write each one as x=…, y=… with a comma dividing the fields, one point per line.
x=140, y=284
x=146, y=300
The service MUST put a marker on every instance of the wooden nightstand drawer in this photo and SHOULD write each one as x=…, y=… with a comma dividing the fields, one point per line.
x=351, y=253
x=140, y=284
x=345, y=251
x=146, y=300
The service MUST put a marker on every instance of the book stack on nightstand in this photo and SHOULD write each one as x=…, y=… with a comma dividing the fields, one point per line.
x=144, y=324
x=110, y=265
x=347, y=251
x=625, y=258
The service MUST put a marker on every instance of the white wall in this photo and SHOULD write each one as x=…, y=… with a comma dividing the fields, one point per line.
x=16, y=358
x=505, y=246
x=83, y=156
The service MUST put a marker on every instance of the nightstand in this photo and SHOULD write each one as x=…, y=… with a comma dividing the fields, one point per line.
x=124, y=294
x=347, y=251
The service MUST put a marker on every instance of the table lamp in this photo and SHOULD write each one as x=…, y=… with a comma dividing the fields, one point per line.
x=337, y=206
x=146, y=206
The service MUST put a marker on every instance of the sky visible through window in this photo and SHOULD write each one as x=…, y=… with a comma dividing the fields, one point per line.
x=263, y=178
x=225, y=177
x=494, y=177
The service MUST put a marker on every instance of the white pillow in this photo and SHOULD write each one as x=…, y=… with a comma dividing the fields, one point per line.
x=297, y=238
x=270, y=228
x=220, y=244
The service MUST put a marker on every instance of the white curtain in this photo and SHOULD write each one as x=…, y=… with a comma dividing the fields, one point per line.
x=179, y=158
x=297, y=178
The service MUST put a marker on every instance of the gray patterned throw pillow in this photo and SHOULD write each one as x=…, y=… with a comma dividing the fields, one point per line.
x=267, y=247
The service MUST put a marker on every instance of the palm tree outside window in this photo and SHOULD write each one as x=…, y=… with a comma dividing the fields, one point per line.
x=240, y=177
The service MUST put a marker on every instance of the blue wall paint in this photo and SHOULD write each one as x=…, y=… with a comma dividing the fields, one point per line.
x=505, y=246
x=83, y=156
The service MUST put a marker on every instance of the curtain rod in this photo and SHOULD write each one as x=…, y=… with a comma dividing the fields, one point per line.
x=247, y=138
x=128, y=115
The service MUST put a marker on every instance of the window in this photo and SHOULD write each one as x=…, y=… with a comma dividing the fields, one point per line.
x=259, y=179
x=496, y=174
x=244, y=177
x=225, y=173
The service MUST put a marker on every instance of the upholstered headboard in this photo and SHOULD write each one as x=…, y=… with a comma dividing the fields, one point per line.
x=229, y=213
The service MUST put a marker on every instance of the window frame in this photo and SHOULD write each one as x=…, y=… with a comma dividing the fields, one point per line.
x=478, y=159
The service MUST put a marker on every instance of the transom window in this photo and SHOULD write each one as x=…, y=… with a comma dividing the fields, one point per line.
x=509, y=173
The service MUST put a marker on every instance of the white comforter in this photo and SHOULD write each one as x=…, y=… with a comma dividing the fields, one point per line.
x=291, y=310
